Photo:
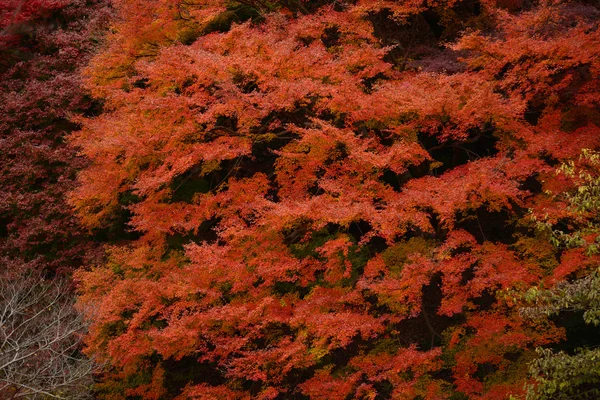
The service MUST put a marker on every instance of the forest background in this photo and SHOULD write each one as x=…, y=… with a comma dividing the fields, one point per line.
x=362, y=199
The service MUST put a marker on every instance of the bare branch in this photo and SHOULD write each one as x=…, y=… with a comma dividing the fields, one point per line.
x=40, y=338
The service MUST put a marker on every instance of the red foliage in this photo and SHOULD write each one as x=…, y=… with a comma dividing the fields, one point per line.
x=315, y=216
x=42, y=45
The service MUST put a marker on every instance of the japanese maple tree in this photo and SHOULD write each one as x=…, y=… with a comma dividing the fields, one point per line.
x=329, y=199
x=43, y=45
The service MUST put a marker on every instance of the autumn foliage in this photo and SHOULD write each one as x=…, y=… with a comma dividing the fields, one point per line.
x=328, y=199
x=43, y=45
x=331, y=200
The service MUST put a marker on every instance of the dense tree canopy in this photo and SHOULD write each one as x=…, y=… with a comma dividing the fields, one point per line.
x=43, y=45
x=331, y=200
x=312, y=199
